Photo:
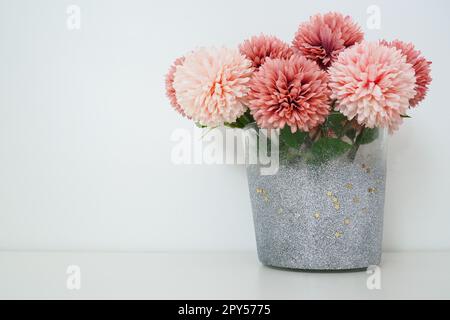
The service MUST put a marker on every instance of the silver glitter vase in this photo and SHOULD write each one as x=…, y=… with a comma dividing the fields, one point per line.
x=322, y=217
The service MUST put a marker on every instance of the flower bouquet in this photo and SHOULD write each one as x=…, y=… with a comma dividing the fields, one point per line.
x=331, y=97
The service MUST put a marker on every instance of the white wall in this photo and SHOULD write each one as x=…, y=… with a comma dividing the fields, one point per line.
x=85, y=126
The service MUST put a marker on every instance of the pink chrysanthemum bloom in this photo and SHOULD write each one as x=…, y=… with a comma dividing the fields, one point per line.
x=421, y=67
x=258, y=48
x=212, y=85
x=373, y=83
x=325, y=36
x=291, y=92
x=170, y=90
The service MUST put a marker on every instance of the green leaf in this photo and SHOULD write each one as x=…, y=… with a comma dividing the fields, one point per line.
x=293, y=140
x=368, y=135
x=234, y=125
x=336, y=122
x=248, y=117
x=242, y=121
x=405, y=116
x=200, y=125
x=326, y=149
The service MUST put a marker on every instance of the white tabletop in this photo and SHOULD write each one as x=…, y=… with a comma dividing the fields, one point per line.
x=212, y=276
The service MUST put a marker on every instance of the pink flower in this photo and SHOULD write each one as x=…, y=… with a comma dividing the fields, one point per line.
x=373, y=83
x=170, y=90
x=291, y=92
x=212, y=85
x=421, y=67
x=258, y=48
x=325, y=36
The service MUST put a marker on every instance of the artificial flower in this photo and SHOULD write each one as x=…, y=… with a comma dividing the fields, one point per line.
x=170, y=90
x=421, y=68
x=259, y=48
x=212, y=85
x=291, y=92
x=324, y=37
x=374, y=84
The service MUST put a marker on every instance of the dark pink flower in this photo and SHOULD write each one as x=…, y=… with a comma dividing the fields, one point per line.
x=324, y=37
x=258, y=48
x=170, y=90
x=291, y=92
x=421, y=67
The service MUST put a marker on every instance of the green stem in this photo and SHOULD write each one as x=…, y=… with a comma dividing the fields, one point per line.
x=346, y=127
x=308, y=142
x=317, y=135
x=355, y=148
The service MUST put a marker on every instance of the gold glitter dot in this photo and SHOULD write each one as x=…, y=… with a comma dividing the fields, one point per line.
x=334, y=199
x=329, y=193
x=356, y=200
x=317, y=215
x=338, y=234
x=280, y=211
x=347, y=221
x=263, y=193
x=349, y=186
x=337, y=206
x=372, y=190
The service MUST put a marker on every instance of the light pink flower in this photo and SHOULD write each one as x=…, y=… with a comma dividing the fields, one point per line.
x=170, y=91
x=325, y=36
x=373, y=83
x=291, y=92
x=212, y=85
x=421, y=68
x=258, y=48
